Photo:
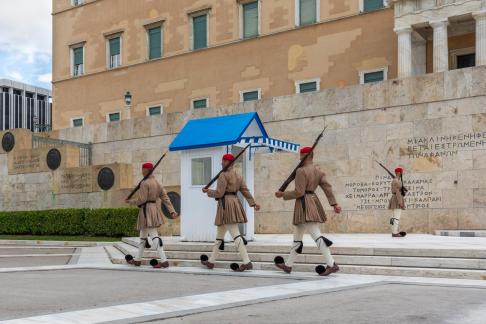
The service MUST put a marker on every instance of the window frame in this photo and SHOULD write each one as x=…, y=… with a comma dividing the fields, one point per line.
x=458, y=52
x=298, y=83
x=71, y=50
x=111, y=113
x=200, y=98
x=361, y=6
x=297, y=13
x=211, y=169
x=108, y=54
x=147, y=110
x=383, y=69
x=76, y=118
x=147, y=35
x=199, y=13
x=241, y=4
x=242, y=94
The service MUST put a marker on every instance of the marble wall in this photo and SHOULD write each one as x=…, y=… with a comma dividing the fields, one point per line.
x=433, y=125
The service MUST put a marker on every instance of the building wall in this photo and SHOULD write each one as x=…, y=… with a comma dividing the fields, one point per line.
x=433, y=125
x=333, y=50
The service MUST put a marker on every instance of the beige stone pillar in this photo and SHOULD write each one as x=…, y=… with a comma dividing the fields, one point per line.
x=404, y=51
x=480, y=18
x=441, y=48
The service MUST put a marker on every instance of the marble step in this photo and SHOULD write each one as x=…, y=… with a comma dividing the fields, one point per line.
x=358, y=260
x=350, y=269
x=254, y=247
x=462, y=233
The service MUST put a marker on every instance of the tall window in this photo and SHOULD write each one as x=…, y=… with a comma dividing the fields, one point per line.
x=250, y=19
x=370, y=5
x=114, y=45
x=200, y=31
x=200, y=171
x=78, y=61
x=307, y=12
x=155, y=42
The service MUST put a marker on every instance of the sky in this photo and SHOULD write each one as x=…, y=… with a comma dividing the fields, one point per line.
x=26, y=41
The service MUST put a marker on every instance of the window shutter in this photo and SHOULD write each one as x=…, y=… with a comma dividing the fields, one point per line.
x=307, y=12
x=155, y=42
x=200, y=31
x=308, y=87
x=115, y=46
x=374, y=76
x=369, y=5
x=78, y=55
x=250, y=96
x=250, y=19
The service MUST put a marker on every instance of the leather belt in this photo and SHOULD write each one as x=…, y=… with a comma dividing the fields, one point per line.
x=302, y=199
x=144, y=206
x=223, y=201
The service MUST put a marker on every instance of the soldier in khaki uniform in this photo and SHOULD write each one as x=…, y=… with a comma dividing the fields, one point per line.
x=150, y=217
x=309, y=213
x=397, y=203
x=229, y=214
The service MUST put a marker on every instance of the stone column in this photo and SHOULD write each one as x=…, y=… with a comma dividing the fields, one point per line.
x=441, y=48
x=404, y=51
x=480, y=18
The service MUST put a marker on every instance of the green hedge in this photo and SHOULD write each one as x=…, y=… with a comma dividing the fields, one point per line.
x=114, y=222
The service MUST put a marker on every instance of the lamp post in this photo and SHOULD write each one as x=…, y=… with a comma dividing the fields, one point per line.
x=128, y=104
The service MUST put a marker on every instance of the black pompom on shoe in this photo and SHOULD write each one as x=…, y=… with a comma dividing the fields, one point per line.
x=403, y=234
x=320, y=269
x=278, y=260
x=204, y=258
x=234, y=266
x=128, y=257
x=154, y=262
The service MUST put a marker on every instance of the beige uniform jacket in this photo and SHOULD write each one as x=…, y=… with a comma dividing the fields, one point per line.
x=396, y=199
x=230, y=210
x=308, y=208
x=150, y=214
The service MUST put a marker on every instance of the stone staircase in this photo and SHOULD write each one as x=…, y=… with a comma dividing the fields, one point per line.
x=414, y=262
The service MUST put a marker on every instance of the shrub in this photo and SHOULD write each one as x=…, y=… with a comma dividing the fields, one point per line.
x=114, y=222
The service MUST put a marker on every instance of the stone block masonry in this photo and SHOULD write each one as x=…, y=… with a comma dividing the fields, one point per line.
x=433, y=125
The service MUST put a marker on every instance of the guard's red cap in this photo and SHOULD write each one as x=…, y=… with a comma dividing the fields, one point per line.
x=228, y=157
x=148, y=165
x=305, y=150
x=399, y=169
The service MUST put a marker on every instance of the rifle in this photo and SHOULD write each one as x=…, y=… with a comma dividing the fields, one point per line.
x=301, y=163
x=146, y=177
x=226, y=167
x=403, y=190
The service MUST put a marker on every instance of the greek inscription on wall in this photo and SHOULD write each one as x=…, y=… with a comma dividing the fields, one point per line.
x=25, y=163
x=376, y=193
x=75, y=181
x=444, y=145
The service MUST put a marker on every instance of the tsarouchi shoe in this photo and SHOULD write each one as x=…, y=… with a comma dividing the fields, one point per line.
x=130, y=260
x=158, y=265
x=280, y=263
x=327, y=270
x=401, y=234
x=205, y=261
x=241, y=268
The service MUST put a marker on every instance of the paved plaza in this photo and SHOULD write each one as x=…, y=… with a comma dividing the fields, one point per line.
x=54, y=283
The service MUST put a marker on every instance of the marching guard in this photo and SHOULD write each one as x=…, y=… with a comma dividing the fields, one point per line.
x=397, y=202
x=150, y=217
x=230, y=213
x=309, y=213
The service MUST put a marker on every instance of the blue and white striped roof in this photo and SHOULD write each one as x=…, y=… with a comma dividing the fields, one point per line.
x=240, y=129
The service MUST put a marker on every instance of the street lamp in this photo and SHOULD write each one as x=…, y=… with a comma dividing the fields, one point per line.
x=128, y=104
